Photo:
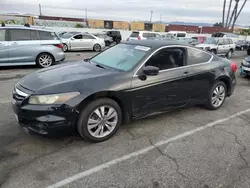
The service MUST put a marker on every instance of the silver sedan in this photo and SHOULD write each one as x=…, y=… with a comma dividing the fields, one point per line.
x=82, y=41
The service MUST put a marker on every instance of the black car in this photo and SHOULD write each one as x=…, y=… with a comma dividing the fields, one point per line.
x=128, y=81
x=116, y=36
x=108, y=40
x=242, y=45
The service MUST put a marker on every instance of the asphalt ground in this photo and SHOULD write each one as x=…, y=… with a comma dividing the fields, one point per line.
x=186, y=148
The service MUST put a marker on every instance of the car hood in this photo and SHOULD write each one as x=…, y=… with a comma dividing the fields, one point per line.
x=64, y=78
x=205, y=45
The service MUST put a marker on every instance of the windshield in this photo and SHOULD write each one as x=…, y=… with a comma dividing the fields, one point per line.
x=134, y=34
x=210, y=41
x=122, y=56
x=66, y=35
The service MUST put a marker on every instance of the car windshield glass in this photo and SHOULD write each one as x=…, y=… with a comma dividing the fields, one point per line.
x=121, y=57
x=210, y=41
x=66, y=36
x=134, y=34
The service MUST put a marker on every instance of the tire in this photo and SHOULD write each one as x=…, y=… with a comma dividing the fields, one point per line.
x=242, y=48
x=107, y=43
x=118, y=41
x=210, y=104
x=97, y=47
x=214, y=52
x=44, y=60
x=65, y=47
x=84, y=124
x=229, y=54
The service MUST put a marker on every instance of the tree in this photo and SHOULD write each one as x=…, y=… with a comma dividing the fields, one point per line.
x=218, y=24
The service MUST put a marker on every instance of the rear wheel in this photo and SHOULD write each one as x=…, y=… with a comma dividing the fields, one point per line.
x=118, y=41
x=214, y=52
x=107, y=43
x=97, y=48
x=44, y=60
x=99, y=120
x=65, y=47
x=217, y=96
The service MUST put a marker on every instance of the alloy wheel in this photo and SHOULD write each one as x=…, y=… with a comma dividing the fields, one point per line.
x=229, y=55
x=65, y=48
x=102, y=121
x=97, y=47
x=218, y=96
x=45, y=60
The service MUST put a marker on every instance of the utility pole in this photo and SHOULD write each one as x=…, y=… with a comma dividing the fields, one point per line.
x=40, y=10
x=223, y=14
x=160, y=18
x=151, y=15
x=86, y=17
x=235, y=14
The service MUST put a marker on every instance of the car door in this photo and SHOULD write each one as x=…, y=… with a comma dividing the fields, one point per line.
x=168, y=89
x=24, y=45
x=88, y=42
x=76, y=42
x=227, y=45
x=221, y=47
x=4, y=47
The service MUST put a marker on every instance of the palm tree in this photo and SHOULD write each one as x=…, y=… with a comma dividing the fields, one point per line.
x=228, y=12
x=237, y=13
x=223, y=15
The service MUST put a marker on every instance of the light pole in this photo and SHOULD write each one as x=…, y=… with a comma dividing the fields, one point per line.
x=151, y=15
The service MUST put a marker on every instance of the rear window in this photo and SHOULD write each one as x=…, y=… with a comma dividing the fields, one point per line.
x=181, y=34
x=134, y=34
x=2, y=35
x=46, y=35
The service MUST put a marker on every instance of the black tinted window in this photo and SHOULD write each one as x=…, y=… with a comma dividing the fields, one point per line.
x=2, y=35
x=78, y=37
x=45, y=35
x=226, y=42
x=23, y=34
x=197, y=56
x=146, y=35
x=181, y=35
x=134, y=34
x=167, y=59
x=87, y=37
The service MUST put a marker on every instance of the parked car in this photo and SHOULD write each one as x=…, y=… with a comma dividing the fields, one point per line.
x=66, y=32
x=82, y=41
x=242, y=45
x=200, y=39
x=219, y=46
x=232, y=36
x=169, y=36
x=108, y=40
x=193, y=41
x=245, y=66
x=143, y=35
x=179, y=34
x=129, y=81
x=116, y=35
x=29, y=46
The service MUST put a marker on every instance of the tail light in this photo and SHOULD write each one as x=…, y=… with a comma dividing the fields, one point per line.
x=59, y=45
x=139, y=38
x=233, y=66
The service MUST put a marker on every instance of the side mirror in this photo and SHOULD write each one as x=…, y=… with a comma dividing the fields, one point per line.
x=151, y=70
x=72, y=38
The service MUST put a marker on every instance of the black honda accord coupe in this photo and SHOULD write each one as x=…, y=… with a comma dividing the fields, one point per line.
x=131, y=80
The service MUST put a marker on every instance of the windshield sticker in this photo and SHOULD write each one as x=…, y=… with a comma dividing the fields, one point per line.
x=144, y=48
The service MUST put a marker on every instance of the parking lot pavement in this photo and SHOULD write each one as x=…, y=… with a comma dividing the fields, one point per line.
x=190, y=147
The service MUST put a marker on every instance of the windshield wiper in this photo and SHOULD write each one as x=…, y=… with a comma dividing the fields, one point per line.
x=100, y=66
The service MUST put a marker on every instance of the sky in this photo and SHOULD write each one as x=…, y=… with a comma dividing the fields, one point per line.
x=205, y=11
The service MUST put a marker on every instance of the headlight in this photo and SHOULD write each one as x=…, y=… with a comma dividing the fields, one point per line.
x=207, y=48
x=244, y=62
x=52, y=99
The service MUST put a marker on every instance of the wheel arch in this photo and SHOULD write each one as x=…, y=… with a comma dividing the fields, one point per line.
x=226, y=81
x=107, y=94
x=45, y=53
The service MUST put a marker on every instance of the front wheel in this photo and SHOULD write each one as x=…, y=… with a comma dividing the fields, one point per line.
x=229, y=54
x=99, y=120
x=217, y=96
x=65, y=47
x=97, y=48
x=44, y=60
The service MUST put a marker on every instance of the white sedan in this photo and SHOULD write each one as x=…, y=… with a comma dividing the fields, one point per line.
x=82, y=41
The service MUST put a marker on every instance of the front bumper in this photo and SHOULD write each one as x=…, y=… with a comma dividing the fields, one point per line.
x=44, y=119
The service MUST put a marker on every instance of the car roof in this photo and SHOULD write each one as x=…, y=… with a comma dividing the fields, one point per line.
x=25, y=28
x=154, y=43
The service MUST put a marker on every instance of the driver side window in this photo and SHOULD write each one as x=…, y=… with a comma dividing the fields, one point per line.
x=167, y=59
x=78, y=37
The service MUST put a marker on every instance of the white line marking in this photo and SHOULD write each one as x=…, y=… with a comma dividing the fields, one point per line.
x=139, y=152
x=4, y=102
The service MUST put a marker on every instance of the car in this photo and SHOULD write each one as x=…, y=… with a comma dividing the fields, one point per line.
x=231, y=36
x=242, y=45
x=29, y=46
x=108, y=40
x=82, y=41
x=245, y=66
x=116, y=35
x=128, y=81
x=220, y=46
x=143, y=35
x=178, y=34
x=200, y=39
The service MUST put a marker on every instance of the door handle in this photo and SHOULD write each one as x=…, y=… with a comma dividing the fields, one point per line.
x=14, y=43
x=185, y=73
